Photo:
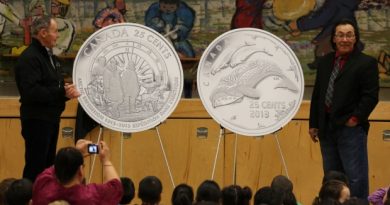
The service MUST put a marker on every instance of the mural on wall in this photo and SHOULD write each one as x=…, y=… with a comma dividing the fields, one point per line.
x=66, y=28
x=248, y=14
x=174, y=19
x=303, y=24
x=111, y=15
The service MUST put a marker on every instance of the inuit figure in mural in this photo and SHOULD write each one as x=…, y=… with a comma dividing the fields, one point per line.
x=35, y=10
x=110, y=15
x=7, y=12
x=248, y=14
x=66, y=28
x=325, y=17
x=174, y=19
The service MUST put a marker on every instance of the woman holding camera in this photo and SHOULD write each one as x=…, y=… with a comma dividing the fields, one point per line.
x=65, y=180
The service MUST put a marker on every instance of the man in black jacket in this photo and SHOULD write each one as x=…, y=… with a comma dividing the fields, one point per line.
x=345, y=93
x=42, y=95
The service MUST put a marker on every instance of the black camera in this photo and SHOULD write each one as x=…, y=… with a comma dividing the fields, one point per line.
x=93, y=149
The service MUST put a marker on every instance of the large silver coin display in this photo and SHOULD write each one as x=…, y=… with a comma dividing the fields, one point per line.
x=250, y=81
x=129, y=76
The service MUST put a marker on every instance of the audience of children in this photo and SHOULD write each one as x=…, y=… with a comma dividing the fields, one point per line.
x=69, y=165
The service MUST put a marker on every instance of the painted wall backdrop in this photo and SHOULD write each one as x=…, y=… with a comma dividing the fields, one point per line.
x=213, y=17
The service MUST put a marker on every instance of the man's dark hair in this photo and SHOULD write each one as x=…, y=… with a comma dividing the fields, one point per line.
x=40, y=23
x=355, y=201
x=183, y=194
x=67, y=163
x=263, y=196
x=205, y=203
x=282, y=191
x=335, y=175
x=326, y=201
x=358, y=45
x=128, y=190
x=281, y=182
x=235, y=195
x=149, y=190
x=208, y=191
x=4, y=185
x=19, y=192
x=247, y=195
x=329, y=192
x=177, y=2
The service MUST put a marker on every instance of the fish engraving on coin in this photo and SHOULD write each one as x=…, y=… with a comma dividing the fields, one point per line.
x=250, y=81
x=129, y=76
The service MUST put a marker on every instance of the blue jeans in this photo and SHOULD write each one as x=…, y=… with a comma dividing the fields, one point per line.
x=345, y=149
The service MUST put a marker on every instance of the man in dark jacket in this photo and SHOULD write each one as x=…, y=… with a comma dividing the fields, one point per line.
x=42, y=95
x=345, y=93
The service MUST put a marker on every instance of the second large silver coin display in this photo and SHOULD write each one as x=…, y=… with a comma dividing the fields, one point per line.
x=129, y=76
x=250, y=81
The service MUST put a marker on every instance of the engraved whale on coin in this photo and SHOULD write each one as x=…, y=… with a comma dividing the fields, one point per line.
x=250, y=81
x=129, y=76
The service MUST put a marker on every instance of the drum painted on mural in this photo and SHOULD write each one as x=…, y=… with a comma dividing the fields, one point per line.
x=129, y=76
x=250, y=81
x=293, y=9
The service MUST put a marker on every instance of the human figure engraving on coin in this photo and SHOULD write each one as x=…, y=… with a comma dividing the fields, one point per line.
x=129, y=76
x=250, y=81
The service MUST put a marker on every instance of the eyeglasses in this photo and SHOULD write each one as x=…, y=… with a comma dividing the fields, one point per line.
x=345, y=35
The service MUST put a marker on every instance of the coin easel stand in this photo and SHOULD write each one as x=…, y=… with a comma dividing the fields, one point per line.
x=251, y=82
x=94, y=156
x=223, y=133
x=121, y=155
x=275, y=134
x=165, y=156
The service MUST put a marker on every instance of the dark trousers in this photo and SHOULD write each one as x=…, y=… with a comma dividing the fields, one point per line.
x=40, y=139
x=188, y=88
x=345, y=149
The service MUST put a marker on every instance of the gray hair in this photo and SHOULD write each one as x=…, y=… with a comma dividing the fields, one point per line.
x=40, y=23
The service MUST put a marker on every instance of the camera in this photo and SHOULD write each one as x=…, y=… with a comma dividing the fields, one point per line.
x=93, y=149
